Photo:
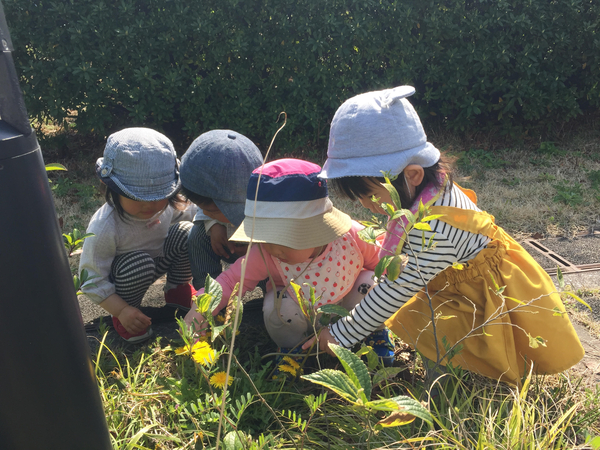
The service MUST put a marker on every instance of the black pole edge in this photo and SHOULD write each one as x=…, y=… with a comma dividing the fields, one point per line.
x=14, y=143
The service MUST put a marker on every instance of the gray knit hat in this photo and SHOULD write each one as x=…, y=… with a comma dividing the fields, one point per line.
x=218, y=165
x=374, y=132
x=141, y=164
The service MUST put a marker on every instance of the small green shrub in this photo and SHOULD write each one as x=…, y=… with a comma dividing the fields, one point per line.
x=569, y=194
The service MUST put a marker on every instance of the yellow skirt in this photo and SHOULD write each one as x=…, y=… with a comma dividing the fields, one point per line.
x=500, y=337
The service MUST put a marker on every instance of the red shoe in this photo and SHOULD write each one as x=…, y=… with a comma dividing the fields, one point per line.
x=126, y=335
x=180, y=296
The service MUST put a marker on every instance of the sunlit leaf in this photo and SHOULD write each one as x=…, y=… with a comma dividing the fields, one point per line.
x=515, y=300
x=535, y=342
x=560, y=278
x=55, y=166
x=572, y=295
x=331, y=308
x=432, y=217
x=337, y=381
x=396, y=419
x=393, y=194
x=355, y=368
x=382, y=265
x=395, y=266
x=404, y=404
x=423, y=226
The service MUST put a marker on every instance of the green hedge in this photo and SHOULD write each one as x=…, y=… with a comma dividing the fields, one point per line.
x=190, y=66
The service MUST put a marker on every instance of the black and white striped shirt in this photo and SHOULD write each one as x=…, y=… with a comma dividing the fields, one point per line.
x=452, y=245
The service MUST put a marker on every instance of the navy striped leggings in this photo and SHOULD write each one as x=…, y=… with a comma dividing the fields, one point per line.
x=203, y=259
x=132, y=273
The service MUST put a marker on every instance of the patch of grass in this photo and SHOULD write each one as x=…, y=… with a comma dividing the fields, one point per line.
x=548, y=148
x=155, y=399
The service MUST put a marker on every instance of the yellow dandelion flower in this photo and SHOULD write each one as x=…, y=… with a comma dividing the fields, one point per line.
x=220, y=318
x=218, y=380
x=292, y=362
x=288, y=369
x=203, y=353
x=186, y=350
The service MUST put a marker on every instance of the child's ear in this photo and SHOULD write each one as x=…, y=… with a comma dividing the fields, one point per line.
x=414, y=174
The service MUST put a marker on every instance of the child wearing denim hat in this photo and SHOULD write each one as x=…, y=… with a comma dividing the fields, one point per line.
x=140, y=233
x=301, y=237
x=380, y=131
x=215, y=171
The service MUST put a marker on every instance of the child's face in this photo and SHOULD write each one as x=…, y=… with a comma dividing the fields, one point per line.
x=290, y=255
x=379, y=192
x=212, y=210
x=142, y=210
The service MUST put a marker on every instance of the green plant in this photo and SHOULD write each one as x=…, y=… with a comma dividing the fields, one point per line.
x=74, y=240
x=355, y=386
x=512, y=182
x=81, y=280
x=546, y=177
x=569, y=194
x=548, y=148
x=594, y=177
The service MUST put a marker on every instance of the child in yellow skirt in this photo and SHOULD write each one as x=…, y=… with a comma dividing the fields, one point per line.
x=432, y=301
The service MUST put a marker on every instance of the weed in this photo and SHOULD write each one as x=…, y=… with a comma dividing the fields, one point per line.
x=479, y=157
x=74, y=240
x=548, y=148
x=546, y=177
x=512, y=182
x=594, y=177
x=569, y=194
x=85, y=194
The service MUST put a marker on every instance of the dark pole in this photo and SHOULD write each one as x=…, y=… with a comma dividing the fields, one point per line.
x=48, y=393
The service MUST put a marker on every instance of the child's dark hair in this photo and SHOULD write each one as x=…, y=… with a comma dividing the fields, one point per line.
x=176, y=201
x=196, y=198
x=356, y=187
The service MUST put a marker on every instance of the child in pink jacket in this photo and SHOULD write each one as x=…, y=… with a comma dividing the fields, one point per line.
x=301, y=237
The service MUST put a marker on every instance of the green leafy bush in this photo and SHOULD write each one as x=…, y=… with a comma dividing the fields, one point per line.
x=189, y=67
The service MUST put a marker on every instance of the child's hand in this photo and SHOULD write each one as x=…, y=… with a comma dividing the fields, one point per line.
x=325, y=338
x=219, y=242
x=240, y=249
x=134, y=320
x=194, y=320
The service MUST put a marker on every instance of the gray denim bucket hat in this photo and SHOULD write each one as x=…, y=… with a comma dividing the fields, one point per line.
x=141, y=164
x=374, y=132
x=218, y=165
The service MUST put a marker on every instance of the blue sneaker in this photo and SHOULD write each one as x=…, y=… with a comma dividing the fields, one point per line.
x=382, y=344
x=288, y=365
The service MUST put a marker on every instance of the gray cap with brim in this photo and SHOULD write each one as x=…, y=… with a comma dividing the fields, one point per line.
x=374, y=132
x=218, y=165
